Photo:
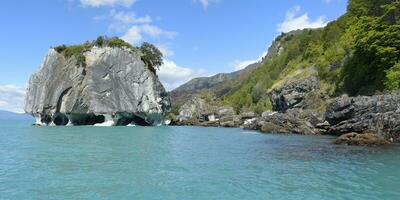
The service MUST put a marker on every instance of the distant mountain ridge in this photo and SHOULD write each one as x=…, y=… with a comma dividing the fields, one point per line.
x=219, y=84
x=6, y=115
x=223, y=83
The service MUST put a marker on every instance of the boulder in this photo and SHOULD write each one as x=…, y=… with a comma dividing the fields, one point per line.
x=114, y=87
x=367, y=139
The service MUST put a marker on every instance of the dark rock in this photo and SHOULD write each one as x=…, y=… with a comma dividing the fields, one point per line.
x=296, y=121
x=367, y=139
x=379, y=114
x=292, y=93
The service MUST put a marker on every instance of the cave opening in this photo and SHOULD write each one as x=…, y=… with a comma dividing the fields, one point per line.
x=86, y=119
x=46, y=119
x=61, y=119
x=125, y=120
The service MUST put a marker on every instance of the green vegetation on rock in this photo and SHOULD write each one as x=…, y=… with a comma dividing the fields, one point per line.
x=150, y=55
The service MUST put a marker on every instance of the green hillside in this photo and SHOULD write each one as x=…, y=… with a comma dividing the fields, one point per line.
x=358, y=54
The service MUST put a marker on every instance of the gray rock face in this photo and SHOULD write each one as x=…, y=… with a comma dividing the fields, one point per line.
x=291, y=95
x=115, y=87
x=195, y=110
x=379, y=114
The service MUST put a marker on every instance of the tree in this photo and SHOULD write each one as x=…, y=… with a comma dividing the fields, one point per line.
x=152, y=57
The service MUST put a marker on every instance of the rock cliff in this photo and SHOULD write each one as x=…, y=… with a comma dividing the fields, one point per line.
x=379, y=114
x=112, y=87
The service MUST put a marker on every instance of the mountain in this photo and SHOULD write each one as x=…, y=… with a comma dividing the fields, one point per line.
x=6, y=115
x=219, y=84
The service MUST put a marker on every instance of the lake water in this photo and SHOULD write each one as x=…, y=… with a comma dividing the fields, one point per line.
x=188, y=163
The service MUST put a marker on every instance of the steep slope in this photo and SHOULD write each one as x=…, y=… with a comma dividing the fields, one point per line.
x=220, y=84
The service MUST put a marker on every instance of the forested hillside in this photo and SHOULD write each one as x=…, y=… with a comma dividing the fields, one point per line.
x=358, y=54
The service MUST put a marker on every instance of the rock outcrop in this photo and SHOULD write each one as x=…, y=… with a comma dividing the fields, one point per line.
x=379, y=114
x=292, y=92
x=194, y=111
x=114, y=87
x=367, y=139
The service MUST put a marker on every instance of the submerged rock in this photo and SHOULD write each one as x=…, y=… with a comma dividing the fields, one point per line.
x=367, y=139
x=114, y=87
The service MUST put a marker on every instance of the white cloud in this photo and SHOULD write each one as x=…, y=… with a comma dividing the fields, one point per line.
x=172, y=75
x=129, y=17
x=165, y=50
x=155, y=31
x=135, y=34
x=12, y=98
x=206, y=3
x=121, y=21
x=238, y=65
x=295, y=22
x=99, y=3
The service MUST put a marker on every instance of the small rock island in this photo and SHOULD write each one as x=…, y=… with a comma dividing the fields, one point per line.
x=104, y=82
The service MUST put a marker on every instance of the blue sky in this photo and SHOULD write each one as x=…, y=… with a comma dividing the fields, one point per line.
x=198, y=37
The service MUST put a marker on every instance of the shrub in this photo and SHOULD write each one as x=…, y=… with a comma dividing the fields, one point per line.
x=152, y=57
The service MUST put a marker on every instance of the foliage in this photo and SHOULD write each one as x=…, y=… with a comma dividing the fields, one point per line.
x=376, y=50
x=393, y=78
x=75, y=51
x=152, y=57
x=119, y=43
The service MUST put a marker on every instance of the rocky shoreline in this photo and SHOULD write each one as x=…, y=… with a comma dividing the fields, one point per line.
x=363, y=120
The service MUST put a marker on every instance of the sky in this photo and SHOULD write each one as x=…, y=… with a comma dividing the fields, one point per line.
x=197, y=37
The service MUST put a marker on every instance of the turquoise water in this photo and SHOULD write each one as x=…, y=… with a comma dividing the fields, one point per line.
x=187, y=163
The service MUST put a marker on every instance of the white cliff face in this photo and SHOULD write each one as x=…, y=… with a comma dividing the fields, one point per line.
x=115, y=82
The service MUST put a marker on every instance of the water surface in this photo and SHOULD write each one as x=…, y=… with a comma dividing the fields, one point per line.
x=188, y=163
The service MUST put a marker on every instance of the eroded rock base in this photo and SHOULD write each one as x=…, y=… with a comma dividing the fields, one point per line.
x=62, y=119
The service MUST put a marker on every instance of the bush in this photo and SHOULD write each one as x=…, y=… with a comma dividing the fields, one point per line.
x=118, y=43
